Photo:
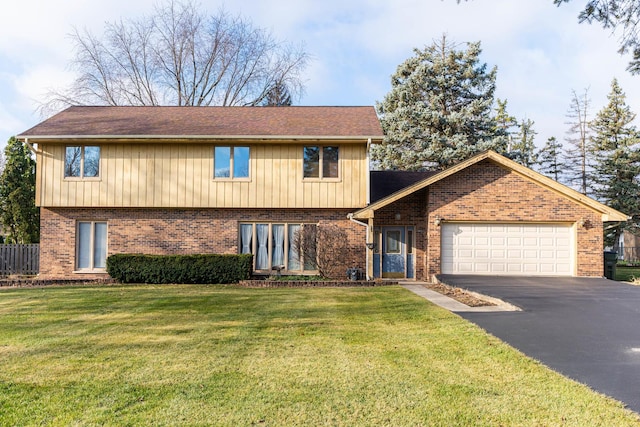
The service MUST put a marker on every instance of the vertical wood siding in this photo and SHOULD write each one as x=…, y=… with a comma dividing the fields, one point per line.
x=181, y=175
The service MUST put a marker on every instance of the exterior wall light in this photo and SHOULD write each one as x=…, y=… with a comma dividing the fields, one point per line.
x=370, y=245
x=438, y=221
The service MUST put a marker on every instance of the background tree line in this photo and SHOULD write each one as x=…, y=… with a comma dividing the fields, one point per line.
x=440, y=109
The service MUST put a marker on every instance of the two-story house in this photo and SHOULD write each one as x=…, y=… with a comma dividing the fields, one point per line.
x=170, y=180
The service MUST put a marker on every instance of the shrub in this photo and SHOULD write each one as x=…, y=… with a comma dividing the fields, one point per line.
x=204, y=268
x=323, y=247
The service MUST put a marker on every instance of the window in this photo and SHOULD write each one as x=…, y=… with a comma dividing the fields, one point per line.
x=91, y=250
x=320, y=162
x=82, y=162
x=231, y=162
x=393, y=242
x=277, y=244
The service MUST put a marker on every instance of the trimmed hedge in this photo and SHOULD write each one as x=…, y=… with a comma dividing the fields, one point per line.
x=162, y=269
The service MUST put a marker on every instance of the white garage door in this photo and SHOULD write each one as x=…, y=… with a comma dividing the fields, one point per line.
x=528, y=250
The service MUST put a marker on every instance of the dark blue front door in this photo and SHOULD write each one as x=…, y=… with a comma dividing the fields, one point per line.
x=393, y=252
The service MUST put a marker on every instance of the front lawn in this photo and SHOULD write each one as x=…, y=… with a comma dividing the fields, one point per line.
x=212, y=355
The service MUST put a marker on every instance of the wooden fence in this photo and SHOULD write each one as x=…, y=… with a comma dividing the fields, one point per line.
x=19, y=259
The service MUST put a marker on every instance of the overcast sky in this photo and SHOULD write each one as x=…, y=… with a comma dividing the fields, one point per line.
x=541, y=51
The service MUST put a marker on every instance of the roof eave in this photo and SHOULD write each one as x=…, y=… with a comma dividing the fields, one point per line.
x=355, y=138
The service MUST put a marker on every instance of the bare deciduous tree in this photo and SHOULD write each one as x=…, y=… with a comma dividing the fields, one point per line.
x=577, y=156
x=322, y=247
x=180, y=56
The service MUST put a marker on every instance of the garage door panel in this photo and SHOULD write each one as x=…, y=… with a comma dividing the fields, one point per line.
x=481, y=267
x=547, y=254
x=465, y=253
x=498, y=253
x=465, y=267
x=482, y=254
x=514, y=253
x=524, y=249
x=465, y=240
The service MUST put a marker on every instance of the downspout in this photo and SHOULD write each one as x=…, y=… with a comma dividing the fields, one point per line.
x=33, y=150
x=368, y=178
x=366, y=258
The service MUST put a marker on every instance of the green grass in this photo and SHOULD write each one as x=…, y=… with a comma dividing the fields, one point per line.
x=627, y=274
x=211, y=355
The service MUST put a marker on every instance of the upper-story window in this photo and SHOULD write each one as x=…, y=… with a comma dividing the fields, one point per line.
x=82, y=161
x=320, y=162
x=231, y=162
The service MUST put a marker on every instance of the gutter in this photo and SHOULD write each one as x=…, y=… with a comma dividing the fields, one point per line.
x=284, y=138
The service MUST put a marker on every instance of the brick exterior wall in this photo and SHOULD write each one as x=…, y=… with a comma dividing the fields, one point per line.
x=482, y=192
x=412, y=210
x=175, y=231
x=487, y=192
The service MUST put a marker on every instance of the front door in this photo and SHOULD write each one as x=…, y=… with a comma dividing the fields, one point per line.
x=393, y=252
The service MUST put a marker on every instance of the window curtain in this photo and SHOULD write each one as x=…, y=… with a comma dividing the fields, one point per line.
x=278, y=244
x=246, y=233
x=294, y=259
x=84, y=245
x=100, y=245
x=262, y=258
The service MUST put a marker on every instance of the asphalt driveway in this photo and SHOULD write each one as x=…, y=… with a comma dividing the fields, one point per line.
x=588, y=329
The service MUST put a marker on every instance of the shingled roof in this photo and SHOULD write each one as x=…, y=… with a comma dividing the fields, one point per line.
x=174, y=122
x=385, y=183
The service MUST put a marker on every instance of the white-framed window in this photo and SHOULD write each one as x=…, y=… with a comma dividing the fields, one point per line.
x=91, y=245
x=321, y=162
x=231, y=162
x=82, y=161
x=287, y=246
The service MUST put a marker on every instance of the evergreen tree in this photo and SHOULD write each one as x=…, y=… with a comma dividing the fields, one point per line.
x=438, y=111
x=577, y=154
x=505, y=123
x=18, y=212
x=615, y=146
x=616, y=14
x=277, y=96
x=523, y=149
x=550, y=161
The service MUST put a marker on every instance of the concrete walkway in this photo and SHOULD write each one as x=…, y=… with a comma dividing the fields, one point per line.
x=452, y=305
